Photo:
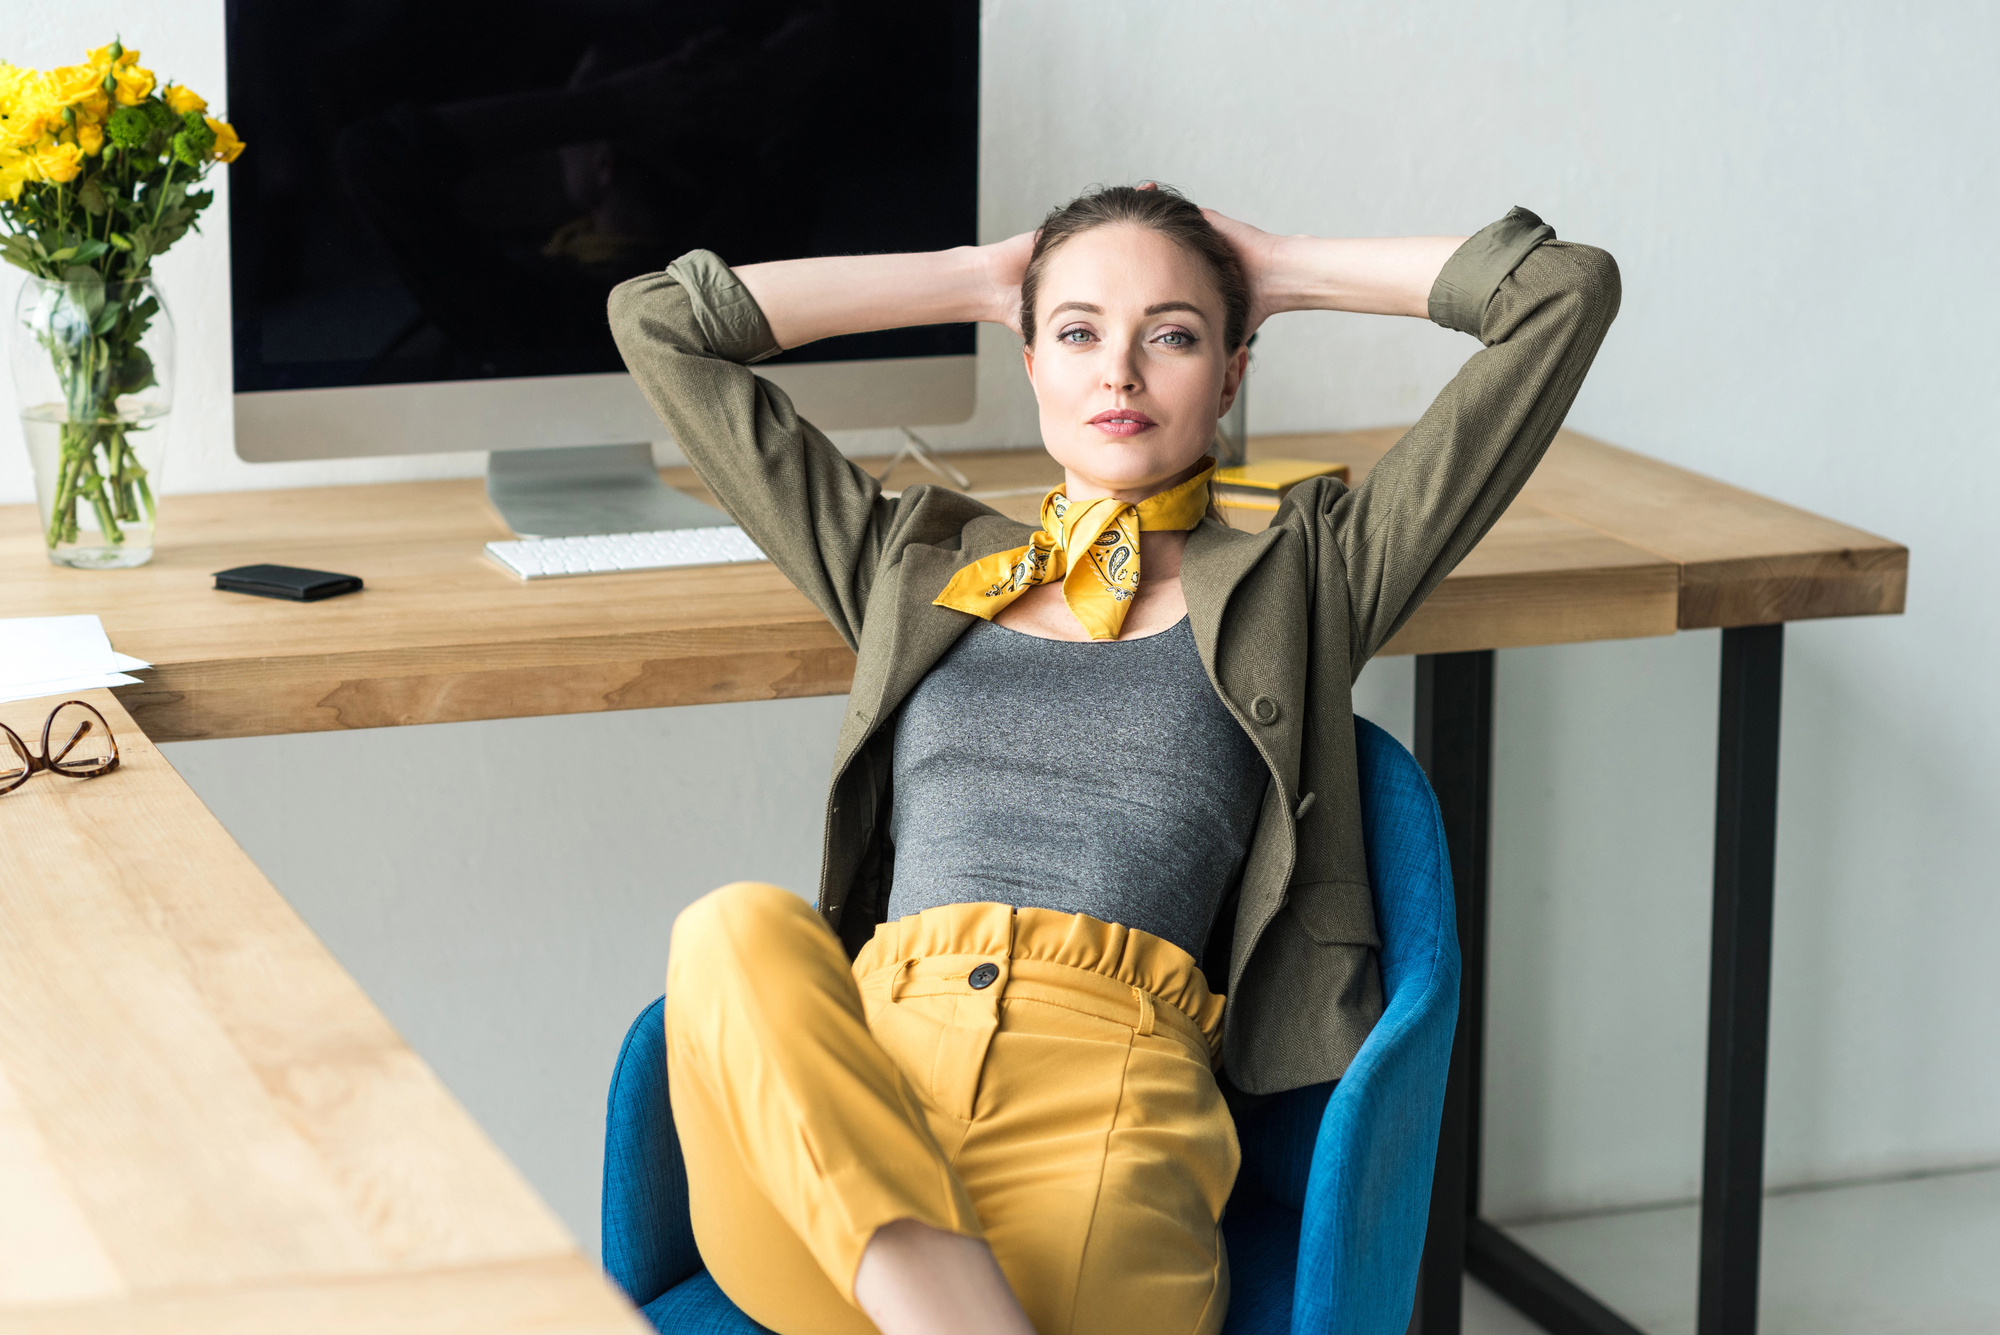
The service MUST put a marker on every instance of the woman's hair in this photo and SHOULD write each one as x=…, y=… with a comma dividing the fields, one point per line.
x=1162, y=209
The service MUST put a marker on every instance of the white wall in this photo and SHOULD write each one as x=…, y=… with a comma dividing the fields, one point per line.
x=1801, y=201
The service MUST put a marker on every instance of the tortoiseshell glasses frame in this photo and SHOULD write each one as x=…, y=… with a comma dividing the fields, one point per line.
x=57, y=761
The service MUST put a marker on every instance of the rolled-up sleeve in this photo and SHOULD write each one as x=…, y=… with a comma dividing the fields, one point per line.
x=1476, y=269
x=689, y=335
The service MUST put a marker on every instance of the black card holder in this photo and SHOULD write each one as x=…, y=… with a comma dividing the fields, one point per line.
x=301, y=586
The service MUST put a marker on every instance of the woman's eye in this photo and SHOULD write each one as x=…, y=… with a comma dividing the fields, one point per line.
x=1073, y=336
x=1177, y=338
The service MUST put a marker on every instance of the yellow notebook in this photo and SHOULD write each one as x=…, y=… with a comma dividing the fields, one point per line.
x=1249, y=495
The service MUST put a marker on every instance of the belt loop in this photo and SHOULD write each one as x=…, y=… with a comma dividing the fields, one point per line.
x=1145, y=1000
x=901, y=977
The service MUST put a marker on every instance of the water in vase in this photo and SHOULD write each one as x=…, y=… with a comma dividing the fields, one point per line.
x=94, y=483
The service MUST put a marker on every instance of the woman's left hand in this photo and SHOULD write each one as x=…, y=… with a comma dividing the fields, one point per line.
x=1258, y=251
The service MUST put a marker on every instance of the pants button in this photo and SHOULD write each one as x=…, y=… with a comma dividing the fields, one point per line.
x=983, y=976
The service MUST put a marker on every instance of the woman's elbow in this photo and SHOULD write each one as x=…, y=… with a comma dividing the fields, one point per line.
x=1595, y=280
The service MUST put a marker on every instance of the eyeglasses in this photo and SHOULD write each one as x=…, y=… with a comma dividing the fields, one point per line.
x=76, y=742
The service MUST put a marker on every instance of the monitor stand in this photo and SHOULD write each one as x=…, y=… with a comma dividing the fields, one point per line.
x=589, y=489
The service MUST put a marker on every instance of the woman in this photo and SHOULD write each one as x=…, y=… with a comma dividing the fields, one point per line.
x=1120, y=750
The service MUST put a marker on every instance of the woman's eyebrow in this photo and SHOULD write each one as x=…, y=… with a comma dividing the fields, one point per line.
x=1156, y=309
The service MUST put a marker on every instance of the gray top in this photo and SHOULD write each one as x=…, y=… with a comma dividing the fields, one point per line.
x=1103, y=778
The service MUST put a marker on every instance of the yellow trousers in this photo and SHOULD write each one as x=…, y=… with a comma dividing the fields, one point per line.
x=1041, y=1080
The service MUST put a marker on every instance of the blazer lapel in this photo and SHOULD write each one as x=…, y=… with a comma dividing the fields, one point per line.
x=1216, y=561
x=920, y=632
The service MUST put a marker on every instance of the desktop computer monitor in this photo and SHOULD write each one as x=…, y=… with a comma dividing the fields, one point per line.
x=442, y=194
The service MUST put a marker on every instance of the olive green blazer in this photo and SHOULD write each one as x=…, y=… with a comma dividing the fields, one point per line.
x=1285, y=619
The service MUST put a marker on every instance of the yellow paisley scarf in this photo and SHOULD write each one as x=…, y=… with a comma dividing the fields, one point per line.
x=1092, y=547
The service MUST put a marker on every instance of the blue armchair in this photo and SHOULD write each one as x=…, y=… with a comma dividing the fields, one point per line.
x=1326, y=1226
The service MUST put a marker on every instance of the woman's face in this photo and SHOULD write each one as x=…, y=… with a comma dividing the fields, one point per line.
x=1128, y=363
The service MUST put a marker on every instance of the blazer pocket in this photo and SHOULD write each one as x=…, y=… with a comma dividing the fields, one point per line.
x=1334, y=913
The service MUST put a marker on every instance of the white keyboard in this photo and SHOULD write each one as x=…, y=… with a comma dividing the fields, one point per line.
x=601, y=553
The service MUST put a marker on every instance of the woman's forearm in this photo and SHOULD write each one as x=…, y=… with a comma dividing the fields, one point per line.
x=807, y=300
x=1381, y=276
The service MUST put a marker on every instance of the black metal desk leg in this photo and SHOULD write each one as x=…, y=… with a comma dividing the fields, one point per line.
x=1454, y=734
x=1739, y=986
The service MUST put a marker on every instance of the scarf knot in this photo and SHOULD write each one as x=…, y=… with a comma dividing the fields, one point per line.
x=1091, y=546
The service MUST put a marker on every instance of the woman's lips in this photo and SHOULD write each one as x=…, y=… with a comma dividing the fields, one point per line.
x=1122, y=422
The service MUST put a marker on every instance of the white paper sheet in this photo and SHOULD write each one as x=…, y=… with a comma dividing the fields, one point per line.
x=59, y=655
x=44, y=648
x=34, y=690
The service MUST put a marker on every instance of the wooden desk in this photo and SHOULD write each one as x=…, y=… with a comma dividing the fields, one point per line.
x=216, y=1130
x=1605, y=544
x=205, y=1125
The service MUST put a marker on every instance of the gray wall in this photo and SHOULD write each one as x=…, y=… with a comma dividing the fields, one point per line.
x=1801, y=200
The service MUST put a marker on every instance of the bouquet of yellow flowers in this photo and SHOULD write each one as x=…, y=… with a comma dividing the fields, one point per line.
x=100, y=172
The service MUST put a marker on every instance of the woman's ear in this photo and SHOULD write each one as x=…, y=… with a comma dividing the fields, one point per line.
x=1028, y=363
x=1232, y=377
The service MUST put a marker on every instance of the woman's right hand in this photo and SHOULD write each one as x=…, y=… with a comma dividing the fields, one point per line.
x=1005, y=264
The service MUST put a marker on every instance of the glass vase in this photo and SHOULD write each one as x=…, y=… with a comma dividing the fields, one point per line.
x=93, y=367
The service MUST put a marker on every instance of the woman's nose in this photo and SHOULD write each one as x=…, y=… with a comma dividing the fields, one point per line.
x=1121, y=375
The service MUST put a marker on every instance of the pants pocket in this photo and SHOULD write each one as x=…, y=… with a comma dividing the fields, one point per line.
x=939, y=1042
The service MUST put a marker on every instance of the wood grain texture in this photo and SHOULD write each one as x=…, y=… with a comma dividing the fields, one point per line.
x=1743, y=559
x=1602, y=544
x=194, y=1097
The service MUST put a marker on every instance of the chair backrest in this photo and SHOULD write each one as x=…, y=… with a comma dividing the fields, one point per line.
x=1368, y=1194
x=648, y=1236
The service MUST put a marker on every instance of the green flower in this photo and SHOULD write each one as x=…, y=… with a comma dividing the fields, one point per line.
x=194, y=143
x=160, y=114
x=130, y=127
x=192, y=148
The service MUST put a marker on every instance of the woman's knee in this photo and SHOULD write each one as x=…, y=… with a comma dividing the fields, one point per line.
x=741, y=920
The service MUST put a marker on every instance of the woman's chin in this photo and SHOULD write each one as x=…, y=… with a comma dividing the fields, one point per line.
x=1129, y=463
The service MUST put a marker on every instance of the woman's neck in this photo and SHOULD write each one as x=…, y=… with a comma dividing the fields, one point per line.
x=1080, y=488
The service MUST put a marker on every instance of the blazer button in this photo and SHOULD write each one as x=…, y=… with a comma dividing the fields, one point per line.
x=1264, y=709
x=982, y=977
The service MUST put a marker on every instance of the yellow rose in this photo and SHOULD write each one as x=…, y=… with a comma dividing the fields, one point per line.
x=14, y=174
x=28, y=113
x=227, y=146
x=57, y=162
x=16, y=86
x=79, y=86
x=73, y=83
x=181, y=100
x=135, y=85
x=90, y=138
x=30, y=126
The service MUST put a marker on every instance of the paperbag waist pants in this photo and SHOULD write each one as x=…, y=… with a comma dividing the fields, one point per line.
x=1040, y=1080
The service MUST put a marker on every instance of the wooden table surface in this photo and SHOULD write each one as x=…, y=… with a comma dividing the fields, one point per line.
x=205, y=1125
x=1603, y=544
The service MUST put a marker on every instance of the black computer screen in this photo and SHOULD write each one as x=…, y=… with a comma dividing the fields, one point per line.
x=448, y=190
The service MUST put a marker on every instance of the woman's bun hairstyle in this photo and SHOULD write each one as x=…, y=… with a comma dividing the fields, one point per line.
x=1164, y=210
